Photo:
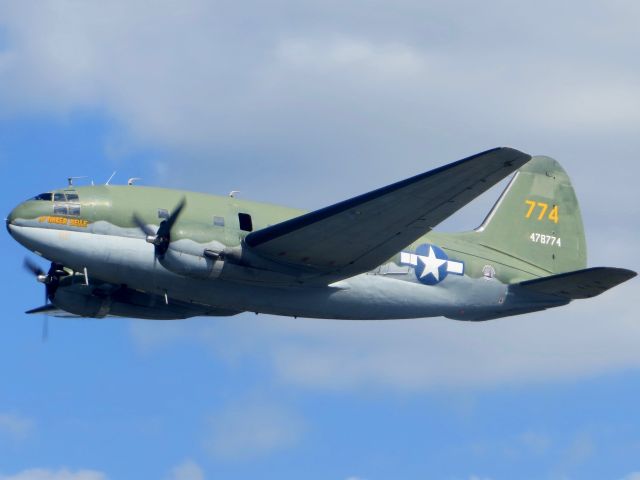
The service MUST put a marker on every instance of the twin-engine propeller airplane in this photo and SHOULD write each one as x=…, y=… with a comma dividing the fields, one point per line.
x=153, y=253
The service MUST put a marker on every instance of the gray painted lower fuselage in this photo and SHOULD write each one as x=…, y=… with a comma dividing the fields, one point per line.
x=129, y=260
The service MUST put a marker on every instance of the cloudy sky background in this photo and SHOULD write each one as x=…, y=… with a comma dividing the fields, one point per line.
x=306, y=104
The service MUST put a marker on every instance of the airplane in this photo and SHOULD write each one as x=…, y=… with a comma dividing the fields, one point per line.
x=153, y=253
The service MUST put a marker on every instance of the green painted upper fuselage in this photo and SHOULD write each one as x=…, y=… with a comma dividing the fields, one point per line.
x=116, y=205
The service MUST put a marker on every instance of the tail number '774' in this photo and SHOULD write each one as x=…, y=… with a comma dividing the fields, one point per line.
x=542, y=209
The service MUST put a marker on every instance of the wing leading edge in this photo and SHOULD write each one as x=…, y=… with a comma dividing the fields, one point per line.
x=356, y=235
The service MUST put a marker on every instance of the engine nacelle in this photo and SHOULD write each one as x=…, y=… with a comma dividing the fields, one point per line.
x=79, y=301
x=190, y=262
x=99, y=301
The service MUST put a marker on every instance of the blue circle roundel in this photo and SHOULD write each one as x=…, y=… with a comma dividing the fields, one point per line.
x=431, y=265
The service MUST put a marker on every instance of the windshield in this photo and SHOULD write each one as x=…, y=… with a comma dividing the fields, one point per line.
x=43, y=196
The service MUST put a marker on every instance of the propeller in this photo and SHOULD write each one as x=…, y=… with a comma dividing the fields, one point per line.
x=33, y=268
x=161, y=238
x=51, y=281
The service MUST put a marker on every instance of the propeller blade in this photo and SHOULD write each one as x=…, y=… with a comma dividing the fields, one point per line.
x=164, y=231
x=32, y=267
x=45, y=328
x=143, y=226
x=162, y=237
x=51, y=282
x=167, y=225
x=176, y=213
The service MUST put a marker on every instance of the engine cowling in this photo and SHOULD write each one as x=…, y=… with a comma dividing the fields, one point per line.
x=192, y=259
x=78, y=300
x=100, y=300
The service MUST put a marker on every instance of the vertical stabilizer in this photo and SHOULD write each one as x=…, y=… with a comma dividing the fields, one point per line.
x=537, y=219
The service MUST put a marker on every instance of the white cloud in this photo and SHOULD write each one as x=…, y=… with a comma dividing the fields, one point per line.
x=352, y=57
x=428, y=354
x=188, y=470
x=62, y=474
x=535, y=443
x=580, y=340
x=579, y=450
x=527, y=446
x=251, y=429
x=632, y=476
x=594, y=104
x=15, y=426
x=293, y=91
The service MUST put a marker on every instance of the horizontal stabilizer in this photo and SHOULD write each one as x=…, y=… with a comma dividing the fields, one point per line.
x=44, y=309
x=580, y=283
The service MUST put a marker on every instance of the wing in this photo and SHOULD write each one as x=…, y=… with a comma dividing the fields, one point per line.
x=356, y=235
x=581, y=283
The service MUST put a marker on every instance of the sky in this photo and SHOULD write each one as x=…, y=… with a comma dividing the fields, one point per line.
x=305, y=104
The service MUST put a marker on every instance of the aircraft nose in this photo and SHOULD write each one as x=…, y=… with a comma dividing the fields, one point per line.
x=10, y=219
x=13, y=219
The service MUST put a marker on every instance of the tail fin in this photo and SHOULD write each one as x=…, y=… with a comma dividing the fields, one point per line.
x=537, y=219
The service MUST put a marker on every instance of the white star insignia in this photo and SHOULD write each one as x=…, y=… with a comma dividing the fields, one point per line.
x=431, y=264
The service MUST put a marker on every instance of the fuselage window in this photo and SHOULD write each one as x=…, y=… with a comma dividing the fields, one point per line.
x=72, y=197
x=245, y=222
x=163, y=213
x=59, y=197
x=218, y=221
x=74, y=209
x=43, y=196
x=60, y=210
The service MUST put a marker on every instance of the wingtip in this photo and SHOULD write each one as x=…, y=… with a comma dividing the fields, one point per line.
x=517, y=152
x=43, y=309
x=621, y=274
x=628, y=274
x=512, y=156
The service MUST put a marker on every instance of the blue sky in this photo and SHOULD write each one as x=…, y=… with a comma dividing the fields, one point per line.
x=307, y=104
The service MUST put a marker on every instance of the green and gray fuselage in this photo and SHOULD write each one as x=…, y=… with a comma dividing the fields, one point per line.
x=208, y=269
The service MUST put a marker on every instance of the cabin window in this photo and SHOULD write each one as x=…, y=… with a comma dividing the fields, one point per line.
x=60, y=210
x=218, y=221
x=72, y=197
x=245, y=222
x=59, y=197
x=43, y=196
x=163, y=213
x=74, y=209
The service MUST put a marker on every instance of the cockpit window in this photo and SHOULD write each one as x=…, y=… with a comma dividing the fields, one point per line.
x=58, y=197
x=43, y=196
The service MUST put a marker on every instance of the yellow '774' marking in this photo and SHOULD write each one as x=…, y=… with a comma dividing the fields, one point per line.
x=553, y=214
